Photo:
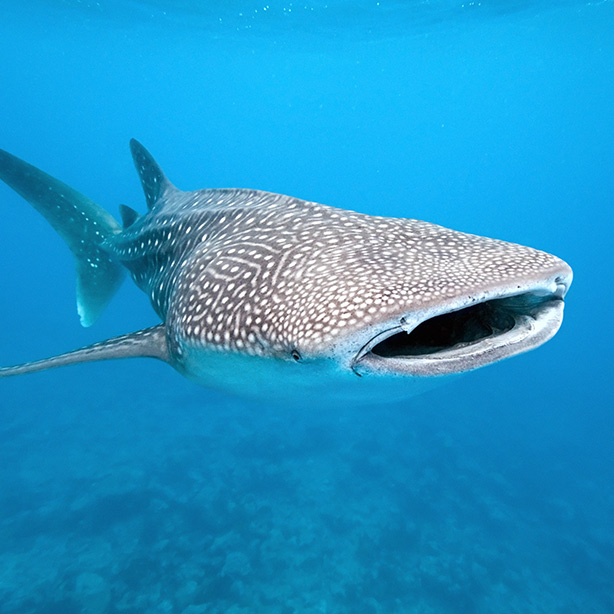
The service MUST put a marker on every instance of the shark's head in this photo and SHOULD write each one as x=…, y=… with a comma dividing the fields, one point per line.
x=366, y=296
x=445, y=302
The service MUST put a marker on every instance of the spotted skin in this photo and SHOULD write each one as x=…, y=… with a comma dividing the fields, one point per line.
x=266, y=274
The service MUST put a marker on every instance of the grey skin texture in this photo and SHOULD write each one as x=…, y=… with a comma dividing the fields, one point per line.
x=271, y=296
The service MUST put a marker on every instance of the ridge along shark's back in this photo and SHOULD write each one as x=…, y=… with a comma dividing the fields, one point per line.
x=258, y=291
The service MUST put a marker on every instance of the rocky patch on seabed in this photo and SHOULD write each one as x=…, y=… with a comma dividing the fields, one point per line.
x=176, y=508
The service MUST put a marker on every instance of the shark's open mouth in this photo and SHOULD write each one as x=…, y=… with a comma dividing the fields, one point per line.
x=464, y=338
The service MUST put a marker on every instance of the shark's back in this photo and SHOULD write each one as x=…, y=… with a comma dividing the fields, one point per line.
x=158, y=245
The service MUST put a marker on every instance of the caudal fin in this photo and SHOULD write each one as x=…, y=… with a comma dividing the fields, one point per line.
x=82, y=223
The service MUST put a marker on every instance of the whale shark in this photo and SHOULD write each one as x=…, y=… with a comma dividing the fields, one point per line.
x=267, y=295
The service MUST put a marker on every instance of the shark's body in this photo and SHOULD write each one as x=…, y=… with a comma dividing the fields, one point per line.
x=262, y=293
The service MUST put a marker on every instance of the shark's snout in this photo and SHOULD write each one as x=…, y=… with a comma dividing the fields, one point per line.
x=470, y=332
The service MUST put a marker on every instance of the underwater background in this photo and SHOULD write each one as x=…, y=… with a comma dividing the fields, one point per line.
x=125, y=489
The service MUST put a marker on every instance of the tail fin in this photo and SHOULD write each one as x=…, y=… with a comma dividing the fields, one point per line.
x=82, y=223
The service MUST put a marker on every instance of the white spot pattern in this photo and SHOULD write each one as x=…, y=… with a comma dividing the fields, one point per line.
x=267, y=274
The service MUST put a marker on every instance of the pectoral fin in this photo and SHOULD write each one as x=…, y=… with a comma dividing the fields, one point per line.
x=150, y=342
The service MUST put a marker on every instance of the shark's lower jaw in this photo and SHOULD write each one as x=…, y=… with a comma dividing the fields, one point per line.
x=464, y=338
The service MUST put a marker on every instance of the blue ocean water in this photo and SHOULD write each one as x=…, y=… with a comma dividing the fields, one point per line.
x=125, y=489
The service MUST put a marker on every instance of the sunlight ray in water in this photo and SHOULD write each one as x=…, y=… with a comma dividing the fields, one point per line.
x=340, y=19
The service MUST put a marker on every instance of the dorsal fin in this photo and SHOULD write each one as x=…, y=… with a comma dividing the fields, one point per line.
x=153, y=179
x=150, y=343
x=128, y=215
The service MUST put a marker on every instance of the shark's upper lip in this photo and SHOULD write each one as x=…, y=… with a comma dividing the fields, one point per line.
x=467, y=334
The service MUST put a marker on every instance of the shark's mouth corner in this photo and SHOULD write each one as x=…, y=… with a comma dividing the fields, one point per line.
x=465, y=337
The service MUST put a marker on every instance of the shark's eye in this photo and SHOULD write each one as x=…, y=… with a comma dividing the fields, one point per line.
x=295, y=355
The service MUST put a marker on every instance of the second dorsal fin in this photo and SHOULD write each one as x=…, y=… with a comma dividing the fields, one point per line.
x=154, y=181
x=129, y=215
